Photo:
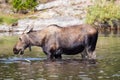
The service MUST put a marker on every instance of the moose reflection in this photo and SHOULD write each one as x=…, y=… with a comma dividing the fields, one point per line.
x=56, y=40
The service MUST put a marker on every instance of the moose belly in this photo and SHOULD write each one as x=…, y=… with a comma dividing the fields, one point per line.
x=72, y=51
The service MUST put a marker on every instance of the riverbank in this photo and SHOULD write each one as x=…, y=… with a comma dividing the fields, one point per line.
x=60, y=12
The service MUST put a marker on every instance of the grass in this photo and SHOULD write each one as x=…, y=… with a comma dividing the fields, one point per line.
x=6, y=45
x=13, y=18
x=7, y=19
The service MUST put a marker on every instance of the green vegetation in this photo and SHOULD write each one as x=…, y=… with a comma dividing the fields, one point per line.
x=7, y=43
x=23, y=5
x=18, y=6
x=8, y=19
x=103, y=11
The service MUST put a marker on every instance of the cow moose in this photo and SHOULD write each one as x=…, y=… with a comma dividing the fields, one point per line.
x=55, y=41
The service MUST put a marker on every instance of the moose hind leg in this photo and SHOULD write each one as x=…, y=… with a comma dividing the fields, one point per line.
x=91, y=56
x=57, y=54
x=84, y=55
x=90, y=47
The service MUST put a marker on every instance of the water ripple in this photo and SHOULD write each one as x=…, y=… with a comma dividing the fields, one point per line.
x=16, y=60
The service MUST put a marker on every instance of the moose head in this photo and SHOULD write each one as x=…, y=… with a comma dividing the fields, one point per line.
x=23, y=42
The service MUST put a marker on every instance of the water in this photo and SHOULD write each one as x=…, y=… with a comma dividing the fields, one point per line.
x=33, y=65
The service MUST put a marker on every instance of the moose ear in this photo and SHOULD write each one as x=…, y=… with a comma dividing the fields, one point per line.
x=28, y=29
x=31, y=30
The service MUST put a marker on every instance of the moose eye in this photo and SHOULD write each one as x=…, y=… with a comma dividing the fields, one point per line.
x=20, y=39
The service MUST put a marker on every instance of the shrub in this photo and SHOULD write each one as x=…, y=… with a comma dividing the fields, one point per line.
x=103, y=11
x=23, y=5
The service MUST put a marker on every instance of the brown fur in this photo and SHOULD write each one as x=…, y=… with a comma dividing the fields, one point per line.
x=56, y=40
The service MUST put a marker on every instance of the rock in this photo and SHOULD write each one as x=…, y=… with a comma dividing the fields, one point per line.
x=15, y=24
x=39, y=24
x=74, y=8
x=5, y=7
x=3, y=1
x=4, y=28
x=58, y=3
x=60, y=12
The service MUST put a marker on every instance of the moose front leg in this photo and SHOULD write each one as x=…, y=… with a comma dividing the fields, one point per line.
x=58, y=56
x=52, y=51
x=50, y=56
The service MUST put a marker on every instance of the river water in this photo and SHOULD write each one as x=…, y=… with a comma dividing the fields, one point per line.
x=33, y=65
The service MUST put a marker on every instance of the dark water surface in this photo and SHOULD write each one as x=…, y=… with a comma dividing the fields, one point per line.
x=33, y=65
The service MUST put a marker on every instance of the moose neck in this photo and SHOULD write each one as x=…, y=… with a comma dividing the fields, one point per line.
x=35, y=38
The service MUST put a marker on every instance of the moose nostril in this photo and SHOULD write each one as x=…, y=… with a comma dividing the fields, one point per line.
x=15, y=51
